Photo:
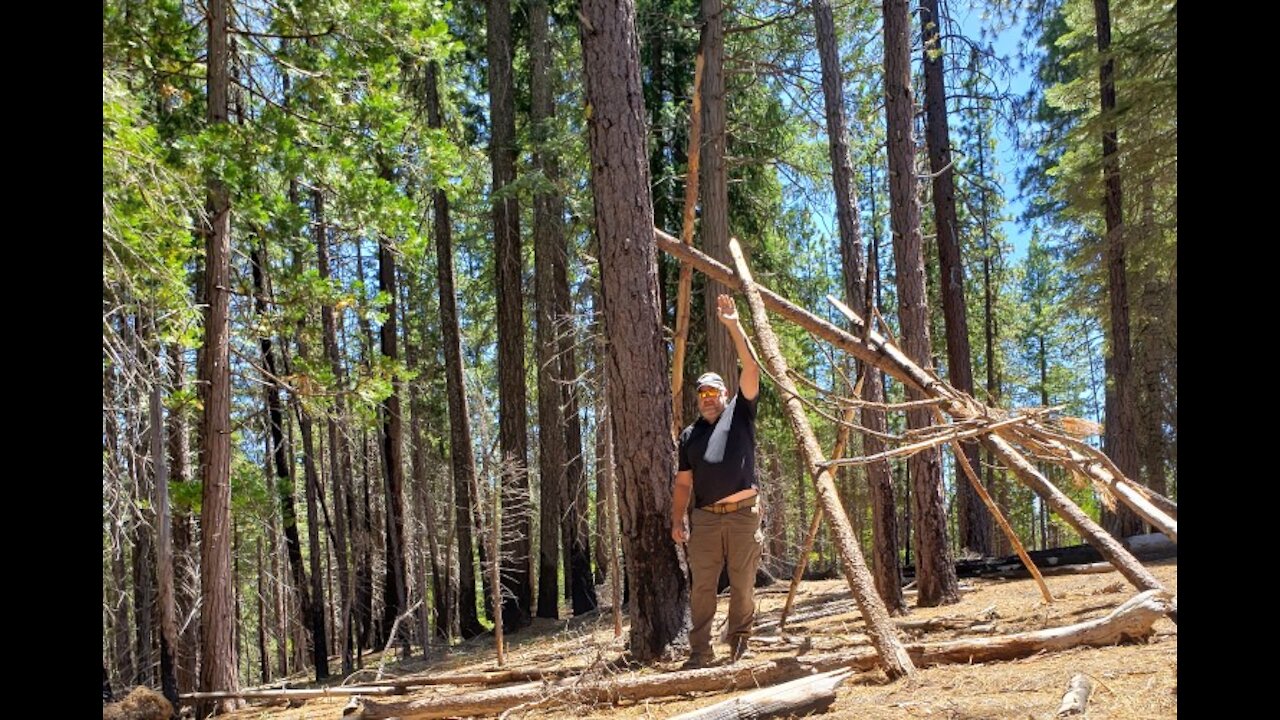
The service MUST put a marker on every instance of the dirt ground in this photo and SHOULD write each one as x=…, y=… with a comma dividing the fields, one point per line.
x=1130, y=681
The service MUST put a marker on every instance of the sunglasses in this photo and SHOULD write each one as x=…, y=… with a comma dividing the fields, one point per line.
x=708, y=393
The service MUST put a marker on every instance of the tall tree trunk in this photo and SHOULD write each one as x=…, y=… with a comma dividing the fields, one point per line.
x=462, y=459
x=580, y=584
x=339, y=449
x=315, y=614
x=424, y=510
x=512, y=438
x=186, y=571
x=974, y=522
x=279, y=593
x=164, y=541
x=990, y=329
x=721, y=357
x=364, y=542
x=143, y=576
x=886, y=567
x=264, y=660
x=217, y=617
x=603, y=448
x=122, y=649
x=935, y=572
x=362, y=536
x=887, y=572
x=1121, y=439
x=394, y=595
x=638, y=389
x=549, y=250
x=275, y=417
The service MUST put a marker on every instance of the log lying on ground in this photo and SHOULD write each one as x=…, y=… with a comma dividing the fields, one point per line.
x=1081, y=569
x=1077, y=697
x=298, y=693
x=397, y=686
x=612, y=690
x=500, y=677
x=1132, y=620
x=807, y=695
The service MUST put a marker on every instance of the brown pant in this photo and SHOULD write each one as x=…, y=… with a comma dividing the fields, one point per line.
x=713, y=539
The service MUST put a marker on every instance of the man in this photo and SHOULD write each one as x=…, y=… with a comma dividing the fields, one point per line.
x=718, y=468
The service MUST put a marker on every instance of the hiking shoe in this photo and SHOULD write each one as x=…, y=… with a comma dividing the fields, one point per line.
x=698, y=661
x=741, y=650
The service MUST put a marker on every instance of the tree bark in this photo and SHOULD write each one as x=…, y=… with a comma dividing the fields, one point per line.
x=548, y=251
x=461, y=457
x=1121, y=438
x=639, y=397
x=975, y=527
x=888, y=574
x=339, y=449
x=516, y=576
x=164, y=541
x=721, y=357
x=395, y=588
x=935, y=572
x=217, y=617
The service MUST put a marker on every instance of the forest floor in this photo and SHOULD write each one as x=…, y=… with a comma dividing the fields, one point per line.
x=1130, y=681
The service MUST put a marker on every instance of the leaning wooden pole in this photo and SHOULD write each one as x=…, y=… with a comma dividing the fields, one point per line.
x=801, y=564
x=884, y=636
x=686, y=236
x=877, y=351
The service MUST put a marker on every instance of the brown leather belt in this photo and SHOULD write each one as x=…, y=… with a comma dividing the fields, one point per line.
x=726, y=508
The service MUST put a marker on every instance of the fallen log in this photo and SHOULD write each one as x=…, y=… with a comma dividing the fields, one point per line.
x=806, y=695
x=611, y=690
x=500, y=677
x=297, y=693
x=1077, y=697
x=1081, y=569
x=1133, y=620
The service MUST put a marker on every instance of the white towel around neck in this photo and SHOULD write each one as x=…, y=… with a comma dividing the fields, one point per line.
x=720, y=435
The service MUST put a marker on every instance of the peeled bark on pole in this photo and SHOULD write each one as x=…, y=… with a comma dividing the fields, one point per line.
x=806, y=695
x=685, y=287
x=883, y=635
x=888, y=358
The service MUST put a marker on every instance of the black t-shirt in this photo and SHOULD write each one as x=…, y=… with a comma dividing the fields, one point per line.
x=713, y=481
